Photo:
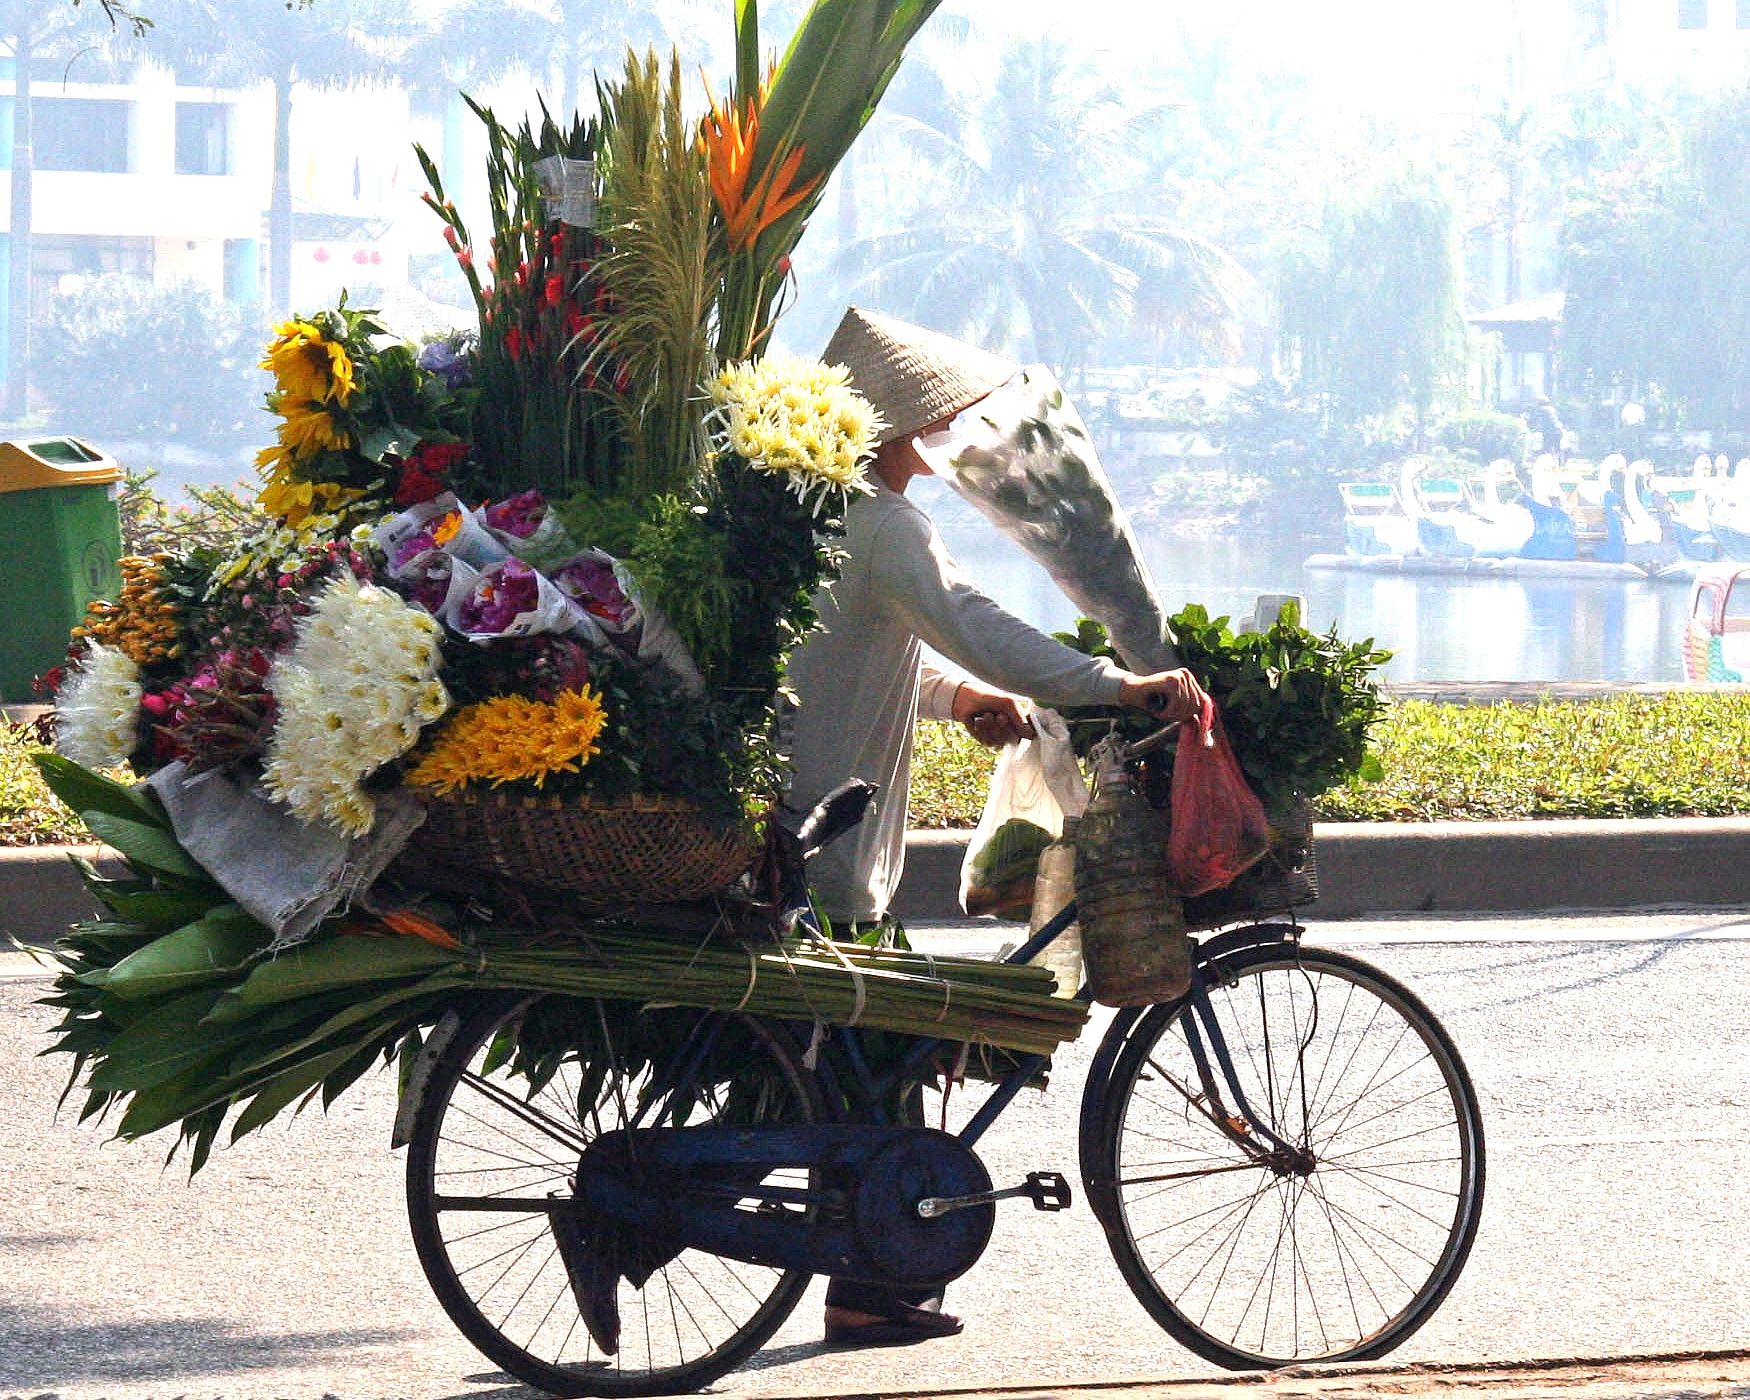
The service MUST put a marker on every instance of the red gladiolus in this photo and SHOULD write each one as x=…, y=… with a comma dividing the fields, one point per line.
x=555, y=292
x=513, y=343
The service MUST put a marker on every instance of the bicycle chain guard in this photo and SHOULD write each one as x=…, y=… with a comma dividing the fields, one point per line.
x=709, y=1188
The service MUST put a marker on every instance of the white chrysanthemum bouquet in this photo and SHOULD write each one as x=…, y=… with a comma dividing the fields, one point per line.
x=353, y=695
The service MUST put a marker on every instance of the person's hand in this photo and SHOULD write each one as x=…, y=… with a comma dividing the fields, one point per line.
x=1168, y=695
x=993, y=717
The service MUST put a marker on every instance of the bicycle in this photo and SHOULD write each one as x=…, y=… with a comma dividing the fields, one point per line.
x=1287, y=1162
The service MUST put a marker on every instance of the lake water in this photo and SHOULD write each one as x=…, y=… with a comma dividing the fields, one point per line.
x=1439, y=629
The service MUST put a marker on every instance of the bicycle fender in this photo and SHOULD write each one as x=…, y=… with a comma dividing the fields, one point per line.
x=1096, y=1175
x=424, y=1063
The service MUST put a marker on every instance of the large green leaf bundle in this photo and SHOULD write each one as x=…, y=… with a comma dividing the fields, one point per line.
x=177, y=1013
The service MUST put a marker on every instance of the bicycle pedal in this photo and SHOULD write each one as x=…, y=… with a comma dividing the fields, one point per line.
x=1048, y=1191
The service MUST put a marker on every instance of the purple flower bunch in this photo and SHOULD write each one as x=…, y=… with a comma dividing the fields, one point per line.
x=501, y=594
x=519, y=515
x=590, y=583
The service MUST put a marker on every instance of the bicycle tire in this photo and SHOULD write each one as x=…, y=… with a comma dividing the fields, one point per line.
x=1300, y=989
x=460, y=1139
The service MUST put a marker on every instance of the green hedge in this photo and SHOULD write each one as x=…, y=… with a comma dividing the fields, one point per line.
x=1677, y=755
x=1630, y=756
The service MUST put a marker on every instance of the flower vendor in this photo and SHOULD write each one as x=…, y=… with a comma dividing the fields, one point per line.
x=861, y=681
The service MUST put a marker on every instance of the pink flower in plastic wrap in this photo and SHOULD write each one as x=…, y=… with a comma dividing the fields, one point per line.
x=431, y=588
x=520, y=515
x=591, y=584
x=502, y=592
x=411, y=548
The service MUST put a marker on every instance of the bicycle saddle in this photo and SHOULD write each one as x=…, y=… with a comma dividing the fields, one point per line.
x=834, y=815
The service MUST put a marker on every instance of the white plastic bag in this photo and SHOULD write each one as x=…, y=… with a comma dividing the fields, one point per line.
x=1036, y=785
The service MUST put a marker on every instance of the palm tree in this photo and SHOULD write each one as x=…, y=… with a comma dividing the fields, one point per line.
x=563, y=42
x=464, y=48
x=1027, y=235
x=238, y=43
x=31, y=34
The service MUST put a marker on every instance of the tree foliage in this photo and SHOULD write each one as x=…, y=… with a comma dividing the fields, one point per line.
x=119, y=358
x=1658, y=274
x=1369, y=309
x=1032, y=230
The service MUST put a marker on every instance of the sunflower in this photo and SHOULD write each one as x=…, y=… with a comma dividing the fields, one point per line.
x=309, y=367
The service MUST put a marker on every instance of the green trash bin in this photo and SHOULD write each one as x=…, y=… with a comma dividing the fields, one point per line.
x=60, y=537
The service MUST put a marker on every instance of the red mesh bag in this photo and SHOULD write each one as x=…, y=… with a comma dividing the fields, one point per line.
x=1219, y=828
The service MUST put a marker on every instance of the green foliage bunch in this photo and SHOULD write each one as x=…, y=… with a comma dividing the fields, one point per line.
x=1297, y=706
x=117, y=357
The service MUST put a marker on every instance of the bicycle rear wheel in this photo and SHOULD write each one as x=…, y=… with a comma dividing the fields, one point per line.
x=1337, y=1251
x=511, y=1107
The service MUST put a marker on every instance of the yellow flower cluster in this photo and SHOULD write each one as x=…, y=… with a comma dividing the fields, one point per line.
x=510, y=738
x=312, y=375
x=281, y=548
x=798, y=418
x=308, y=367
x=142, y=623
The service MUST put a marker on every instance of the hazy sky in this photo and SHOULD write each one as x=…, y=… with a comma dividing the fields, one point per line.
x=1369, y=54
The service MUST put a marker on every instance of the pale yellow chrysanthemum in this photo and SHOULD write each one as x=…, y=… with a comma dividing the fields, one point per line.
x=97, y=713
x=351, y=696
x=796, y=418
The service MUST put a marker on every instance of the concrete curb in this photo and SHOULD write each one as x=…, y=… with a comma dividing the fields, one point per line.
x=1364, y=868
x=1680, y=1374
x=1388, y=867
x=40, y=891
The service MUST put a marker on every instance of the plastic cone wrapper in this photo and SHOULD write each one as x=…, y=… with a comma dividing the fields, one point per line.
x=1023, y=458
x=529, y=528
x=604, y=589
x=513, y=600
x=449, y=526
x=438, y=582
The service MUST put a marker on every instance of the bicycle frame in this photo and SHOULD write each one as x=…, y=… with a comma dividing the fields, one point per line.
x=874, y=1092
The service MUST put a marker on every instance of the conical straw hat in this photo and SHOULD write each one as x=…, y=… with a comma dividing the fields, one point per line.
x=914, y=377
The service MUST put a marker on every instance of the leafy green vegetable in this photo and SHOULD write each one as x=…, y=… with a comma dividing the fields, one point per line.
x=1297, y=706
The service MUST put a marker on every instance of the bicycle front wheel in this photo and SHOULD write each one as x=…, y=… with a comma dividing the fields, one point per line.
x=511, y=1107
x=1336, y=1248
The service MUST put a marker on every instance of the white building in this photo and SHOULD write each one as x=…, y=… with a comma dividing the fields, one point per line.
x=148, y=176
x=1703, y=44
x=145, y=177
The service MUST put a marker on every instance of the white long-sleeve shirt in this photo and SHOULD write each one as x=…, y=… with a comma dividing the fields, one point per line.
x=861, y=684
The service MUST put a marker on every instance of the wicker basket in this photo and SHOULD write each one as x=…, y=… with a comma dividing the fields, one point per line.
x=1285, y=879
x=655, y=850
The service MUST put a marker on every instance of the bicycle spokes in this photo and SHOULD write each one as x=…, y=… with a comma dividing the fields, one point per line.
x=1304, y=1183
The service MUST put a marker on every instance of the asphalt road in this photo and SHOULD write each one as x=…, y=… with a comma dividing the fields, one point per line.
x=1610, y=1054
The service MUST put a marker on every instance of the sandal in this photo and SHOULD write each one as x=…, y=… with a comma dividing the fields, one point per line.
x=900, y=1327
